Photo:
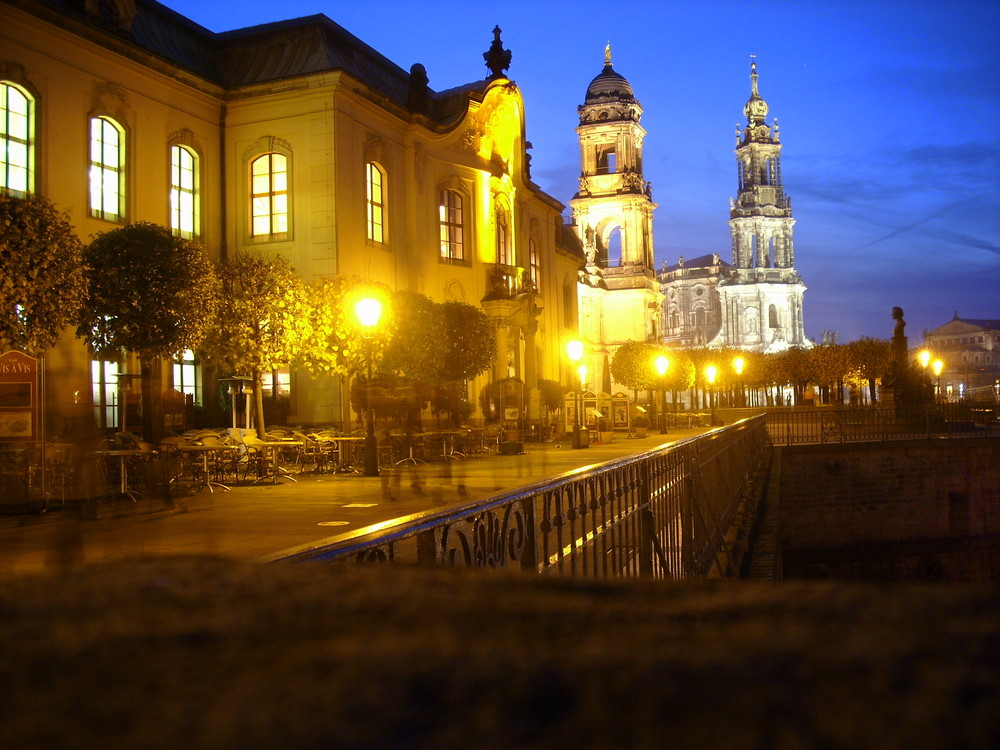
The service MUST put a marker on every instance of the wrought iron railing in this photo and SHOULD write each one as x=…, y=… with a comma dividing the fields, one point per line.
x=849, y=425
x=682, y=511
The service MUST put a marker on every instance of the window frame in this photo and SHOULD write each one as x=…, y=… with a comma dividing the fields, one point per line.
x=27, y=143
x=272, y=205
x=108, y=167
x=180, y=191
x=375, y=203
x=451, y=223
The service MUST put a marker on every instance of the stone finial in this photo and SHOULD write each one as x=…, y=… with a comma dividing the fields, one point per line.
x=497, y=58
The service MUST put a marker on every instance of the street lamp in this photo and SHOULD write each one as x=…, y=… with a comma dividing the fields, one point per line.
x=938, y=366
x=369, y=310
x=574, y=349
x=924, y=358
x=662, y=363
x=710, y=374
x=738, y=366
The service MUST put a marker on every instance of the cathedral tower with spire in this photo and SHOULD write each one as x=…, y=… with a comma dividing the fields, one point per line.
x=761, y=294
x=619, y=296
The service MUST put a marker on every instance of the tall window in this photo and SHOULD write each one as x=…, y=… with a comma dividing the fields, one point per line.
x=503, y=236
x=269, y=196
x=104, y=380
x=375, y=179
x=186, y=378
x=184, y=213
x=533, y=262
x=17, y=141
x=450, y=215
x=107, y=169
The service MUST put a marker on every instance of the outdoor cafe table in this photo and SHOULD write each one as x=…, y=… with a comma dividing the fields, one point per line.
x=204, y=450
x=123, y=454
x=270, y=451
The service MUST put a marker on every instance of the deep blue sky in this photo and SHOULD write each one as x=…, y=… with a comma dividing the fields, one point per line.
x=889, y=114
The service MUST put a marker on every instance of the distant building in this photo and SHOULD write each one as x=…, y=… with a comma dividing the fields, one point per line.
x=292, y=138
x=755, y=302
x=970, y=351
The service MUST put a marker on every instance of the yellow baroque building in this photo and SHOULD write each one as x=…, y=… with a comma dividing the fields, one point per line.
x=294, y=138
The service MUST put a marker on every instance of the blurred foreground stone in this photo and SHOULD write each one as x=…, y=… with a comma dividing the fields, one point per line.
x=210, y=653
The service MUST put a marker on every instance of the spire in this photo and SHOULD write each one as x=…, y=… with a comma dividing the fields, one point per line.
x=756, y=108
x=497, y=58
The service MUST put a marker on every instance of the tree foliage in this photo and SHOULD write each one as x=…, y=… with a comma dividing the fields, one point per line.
x=469, y=343
x=42, y=282
x=150, y=292
x=632, y=365
x=262, y=320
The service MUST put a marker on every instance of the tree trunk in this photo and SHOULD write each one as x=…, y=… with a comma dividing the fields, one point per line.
x=152, y=398
x=258, y=403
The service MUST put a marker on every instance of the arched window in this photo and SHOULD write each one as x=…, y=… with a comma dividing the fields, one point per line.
x=772, y=317
x=17, y=139
x=503, y=235
x=107, y=169
x=450, y=218
x=269, y=196
x=185, y=211
x=375, y=185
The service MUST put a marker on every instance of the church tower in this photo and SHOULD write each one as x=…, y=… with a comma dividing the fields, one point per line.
x=761, y=295
x=619, y=296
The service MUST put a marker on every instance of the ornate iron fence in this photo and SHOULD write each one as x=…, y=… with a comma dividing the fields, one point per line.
x=683, y=511
x=848, y=425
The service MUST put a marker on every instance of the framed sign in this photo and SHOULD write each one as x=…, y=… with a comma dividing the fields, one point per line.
x=18, y=397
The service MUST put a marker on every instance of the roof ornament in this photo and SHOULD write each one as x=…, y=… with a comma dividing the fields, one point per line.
x=607, y=55
x=497, y=58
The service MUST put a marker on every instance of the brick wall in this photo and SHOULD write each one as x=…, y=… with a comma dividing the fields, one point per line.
x=904, y=507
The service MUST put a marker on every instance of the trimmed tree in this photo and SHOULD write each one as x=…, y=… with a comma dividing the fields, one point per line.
x=262, y=320
x=42, y=281
x=152, y=293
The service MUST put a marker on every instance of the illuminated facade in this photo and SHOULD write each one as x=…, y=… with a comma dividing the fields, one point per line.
x=970, y=351
x=756, y=301
x=619, y=297
x=293, y=138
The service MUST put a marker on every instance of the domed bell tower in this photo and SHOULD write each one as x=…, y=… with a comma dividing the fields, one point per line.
x=613, y=213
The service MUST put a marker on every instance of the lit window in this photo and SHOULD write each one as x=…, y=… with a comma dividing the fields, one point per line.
x=450, y=214
x=104, y=380
x=107, y=169
x=17, y=142
x=276, y=382
x=375, y=180
x=184, y=214
x=533, y=262
x=269, y=196
x=186, y=379
x=503, y=236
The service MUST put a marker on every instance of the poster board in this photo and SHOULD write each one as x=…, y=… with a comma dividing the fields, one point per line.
x=18, y=397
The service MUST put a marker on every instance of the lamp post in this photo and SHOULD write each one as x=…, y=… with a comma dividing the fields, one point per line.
x=938, y=366
x=710, y=374
x=738, y=364
x=369, y=310
x=661, y=364
x=574, y=349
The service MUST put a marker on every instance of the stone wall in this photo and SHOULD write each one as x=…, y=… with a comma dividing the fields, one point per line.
x=907, y=509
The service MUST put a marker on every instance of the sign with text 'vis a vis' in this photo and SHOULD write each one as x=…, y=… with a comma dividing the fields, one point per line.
x=18, y=397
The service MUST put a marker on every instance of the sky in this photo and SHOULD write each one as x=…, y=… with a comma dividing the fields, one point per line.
x=889, y=115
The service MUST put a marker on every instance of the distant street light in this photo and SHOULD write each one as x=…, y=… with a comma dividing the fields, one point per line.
x=738, y=364
x=938, y=366
x=711, y=372
x=662, y=363
x=368, y=311
x=574, y=349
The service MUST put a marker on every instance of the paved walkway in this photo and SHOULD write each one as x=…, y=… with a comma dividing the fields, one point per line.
x=251, y=522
